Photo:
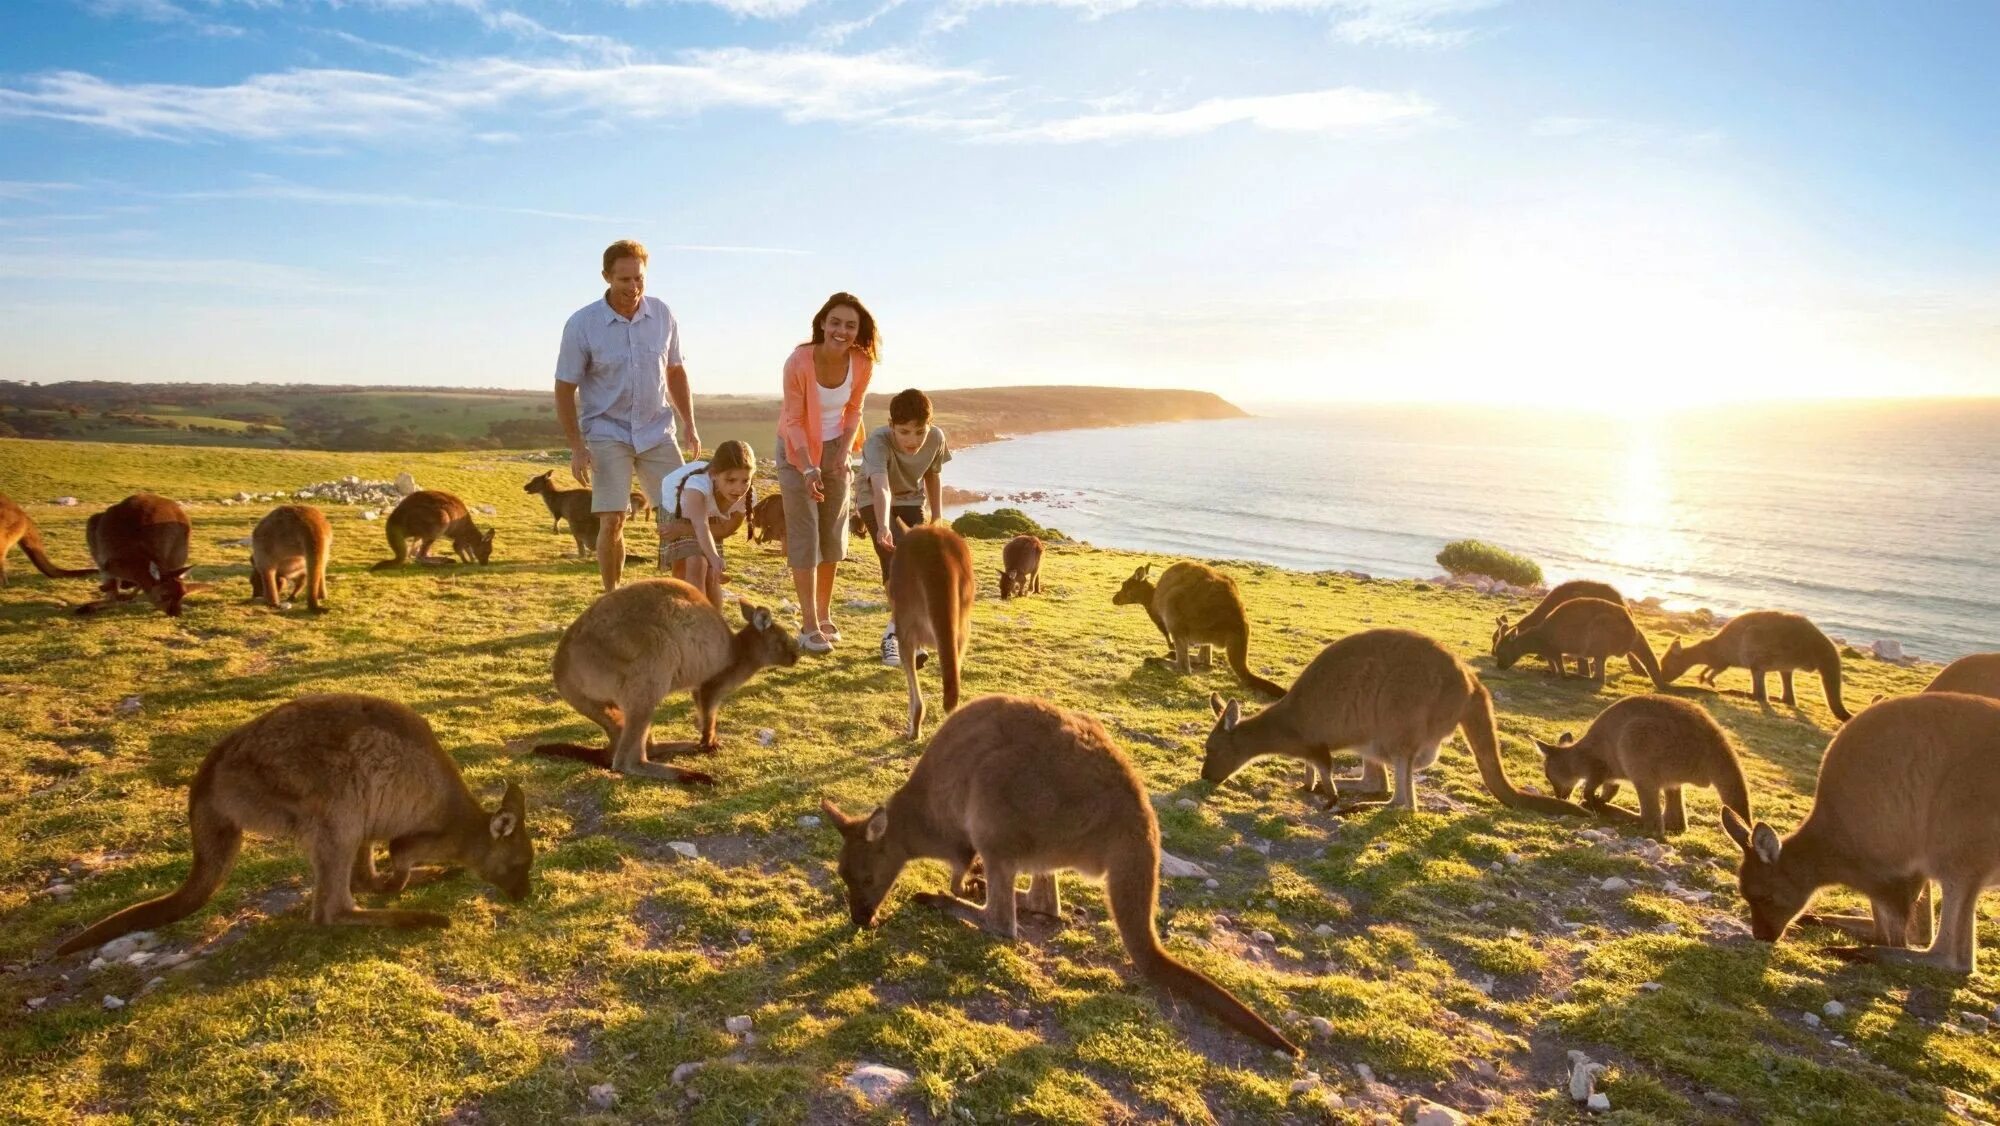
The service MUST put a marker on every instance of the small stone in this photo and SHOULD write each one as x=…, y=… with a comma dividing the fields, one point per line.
x=745, y=938
x=685, y=1071
x=66, y=502
x=36, y=1003
x=1433, y=1114
x=1211, y=884
x=1616, y=883
x=737, y=1026
x=766, y=736
x=1263, y=847
x=1812, y=1020
x=1321, y=1026
x=111, y=1002
x=1834, y=1009
x=1226, y=850
x=128, y=705
x=60, y=891
x=1514, y=858
x=138, y=959
x=1263, y=938
x=486, y=510
x=1187, y=803
x=1174, y=867
x=122, y=947
x=370, y=514
x=1583, y=1079
x=604, y=1096
x=1366, y=1073
x=1576, y=1056
x=1303, y=1086
x=876, y=1083
x=1022, y=1016
x=1599, y=1102
x=1649, y=987
x=808, y=821
x=1974, y=1021
x=152, y=984
x=1324, y=930
x=405, y=484
x=685, y=848
x=1717, y=1098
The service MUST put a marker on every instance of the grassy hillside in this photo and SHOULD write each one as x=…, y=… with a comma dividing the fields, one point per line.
x=1455, y=954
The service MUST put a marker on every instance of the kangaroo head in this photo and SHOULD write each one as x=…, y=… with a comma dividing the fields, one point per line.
x=1774, y=894
x=1675, y=661
x=508, y=853
x=1006, y=585
x=1562, y=764
x=483, y=549
x=544, y=483
x=1501, y=632
x=1508, y=647
x=868, y=864
x=1224, y=756
x=168, y=588
x=1136, y=589
x=766, y=642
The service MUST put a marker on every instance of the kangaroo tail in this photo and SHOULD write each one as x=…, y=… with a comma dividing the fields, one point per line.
x=1734, y=791
x=595, y=756
x=315, y=570
x=216, y=842
x=1133, y=885
x=31, y=546
x=1829, y=677
x=399, y=545
x=939, y=583
x=1483, y=734
x=1641, y=655
x=1239, y=663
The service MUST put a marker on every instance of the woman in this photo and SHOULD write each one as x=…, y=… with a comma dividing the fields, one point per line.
x=819, y=430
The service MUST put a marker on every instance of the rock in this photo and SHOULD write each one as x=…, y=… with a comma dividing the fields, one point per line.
x=603, y=1096
x=1263, y=847
x=808, y=822
x=152, y=984
x=1834, y=1009
x=1211, y=884
x=1324, y=930
x=766, y=736
x=59, y=891
x=1974, y=1021
x=36, y=1003
x=1583, y=1078
x=686, y=1071
x=111, y=1002
x=1263, y=938
x=1717, y=1098
x=737, y=1026
x=1616, y=883
x=1187, y=803
x=685, y=848
x=128, y=705
x=486, y=510
x=1174, y=867
x=169, y=961
x=370, y=514
x=1812, y=1020
x=242, y=497
x=1887, y=650
x=1599, y=1102
x=1321, y=1026
x=64, y=502
x=138, y=959
x=124, y=946
x=1304, y=1085
x=405, y=485
x=1433, y=1114
x=1649, y=987
x=876, y=1083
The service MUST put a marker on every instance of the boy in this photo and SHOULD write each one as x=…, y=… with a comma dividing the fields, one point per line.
x=899, y=472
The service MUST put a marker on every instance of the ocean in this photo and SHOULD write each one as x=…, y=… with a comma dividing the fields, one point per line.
x=1874, y=520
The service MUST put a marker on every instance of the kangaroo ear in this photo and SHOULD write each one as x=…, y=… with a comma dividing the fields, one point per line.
x=1765, y=840
x=1140, y=573
x=153, y=569
x=177, y=573
x=834, y=816
x=1545, y=748
x=878, y=823
x=1737, y=830
x=513, y=810
x=489, y=536
x=1232, y=715
x=1566, y=739
x=1215, y=702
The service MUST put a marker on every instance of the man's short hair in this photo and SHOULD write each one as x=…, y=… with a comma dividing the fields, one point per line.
x=624, y=248
x=909, y=405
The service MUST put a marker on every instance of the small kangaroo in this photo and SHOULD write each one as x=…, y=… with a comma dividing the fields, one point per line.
x=1021, y=567
x=291, y=545
x=142, y=543
x=930, y=599
x=767, y=521
x=572, y=505
x=1976, y=675
x=424, y=516
x=337, y=773
x=1575, y=588
x=1591, y=629
x=17, y=527
x=1657, y=743
x=1197, y=605
x=637, y=645
x=1906, y=794
x=1394, y=695
x=1762, y=641
x=1026, y=787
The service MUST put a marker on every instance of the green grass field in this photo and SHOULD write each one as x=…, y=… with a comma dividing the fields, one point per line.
x=1456, y=954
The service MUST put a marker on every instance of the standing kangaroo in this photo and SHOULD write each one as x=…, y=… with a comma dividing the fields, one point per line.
x=424, y=516
x=16, y=527
x=1657, y=743
x=572, y=505
x=1197, y=605
x=1907, y=792
x=291, y=545
x=1029, y=788
x=337, y=773
x=1977, y=675
x=638, y=644
x=1575, y=588
x=1763, y=641
x=1021, y=567
x=1590, y=629
x=930, y=599
x=142, y=542
x=1394, y=695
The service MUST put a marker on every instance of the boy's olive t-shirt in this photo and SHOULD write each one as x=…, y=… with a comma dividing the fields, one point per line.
x=906, y=471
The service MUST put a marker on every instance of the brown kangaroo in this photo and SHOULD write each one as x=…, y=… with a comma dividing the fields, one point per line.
x=1762, y=641
x=1575, y=588
x=291, y=545
x=637, y=645
x=142, y=542
x=767, y=521
x=1029, y=788
x=1021, y=567
x=1394, y=695
x=1590, y=629
x=930, y=599
x=1977, y=675
x=1906, y=794
x=1657, y=743
x=338, y=773
x=424, y=516
x=572, y=505
x=16, y=527
x=1197, y=605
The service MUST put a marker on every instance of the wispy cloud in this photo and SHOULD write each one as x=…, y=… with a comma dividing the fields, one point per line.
x=34, y=189
x=1344, y=110
x=226, y=273
x=161, y=12
x=1401, y=23
x=1629, y=134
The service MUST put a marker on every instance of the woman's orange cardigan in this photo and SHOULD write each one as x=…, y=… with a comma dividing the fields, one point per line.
x=798, y=418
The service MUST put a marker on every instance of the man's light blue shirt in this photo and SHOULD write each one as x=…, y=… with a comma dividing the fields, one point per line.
x=619, y=367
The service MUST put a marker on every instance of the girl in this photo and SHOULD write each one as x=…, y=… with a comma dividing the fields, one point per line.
x=819, y=429
x=700, y=503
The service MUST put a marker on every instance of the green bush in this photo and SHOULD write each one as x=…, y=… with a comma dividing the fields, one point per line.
x=1471, y=557
x=1001, y=524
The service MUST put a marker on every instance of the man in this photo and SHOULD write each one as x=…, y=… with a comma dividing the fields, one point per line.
x=619, y=386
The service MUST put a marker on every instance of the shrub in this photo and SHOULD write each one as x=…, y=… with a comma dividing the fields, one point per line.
x=1471, y=557
x=1001, y=524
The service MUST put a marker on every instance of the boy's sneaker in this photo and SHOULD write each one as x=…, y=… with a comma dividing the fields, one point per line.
x=892, y=655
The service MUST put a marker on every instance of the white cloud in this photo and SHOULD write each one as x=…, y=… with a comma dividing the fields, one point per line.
x=34, y=189
x=1344, y=110
x=226, y=273
x=1401, y=23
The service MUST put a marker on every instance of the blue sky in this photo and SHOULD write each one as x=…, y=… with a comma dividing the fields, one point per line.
x=1600, y=203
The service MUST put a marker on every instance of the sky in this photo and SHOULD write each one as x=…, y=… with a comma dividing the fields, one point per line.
x=1600, y=205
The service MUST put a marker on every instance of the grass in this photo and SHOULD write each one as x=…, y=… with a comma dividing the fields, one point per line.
x=1456, y=953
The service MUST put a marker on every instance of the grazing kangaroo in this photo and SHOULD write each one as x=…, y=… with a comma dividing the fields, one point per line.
x=142, y=543
x=1394, y=695
x=767, y=521
x=424, y=516
x=1657, y=743
x=1762, y=641
x=1575, y=588
x=1197, y=605
x=638, y=644
x=1906, y=794
x=291, y=545
x=930, y=601
x=16, y=527
x=338, y=773
x=1591, y=629
x=1027, y=787
x=1977, y=675
x=572, y=505
x=1021, y=567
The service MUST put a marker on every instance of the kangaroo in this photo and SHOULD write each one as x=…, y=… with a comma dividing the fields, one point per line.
x=572, y=505
x=1591, y=629
x=16, y=527
x=424, y=516
x=1197, y=605
x=338, y=773
x=1762, y=641
x=1906, y=794
x=291, y=544
x=1392, y=694
x=1027, y=787
x=767, y=521
x=1020, y=567
x=1977, y=675
x=1657, y=743
x=1575, y=588
x=636, y=645
x=141, y=542
x=930, y=600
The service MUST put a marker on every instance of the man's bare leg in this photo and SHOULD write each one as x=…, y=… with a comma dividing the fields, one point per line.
x=610, y=548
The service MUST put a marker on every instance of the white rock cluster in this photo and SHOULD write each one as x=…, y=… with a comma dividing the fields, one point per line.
x=349, y=490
